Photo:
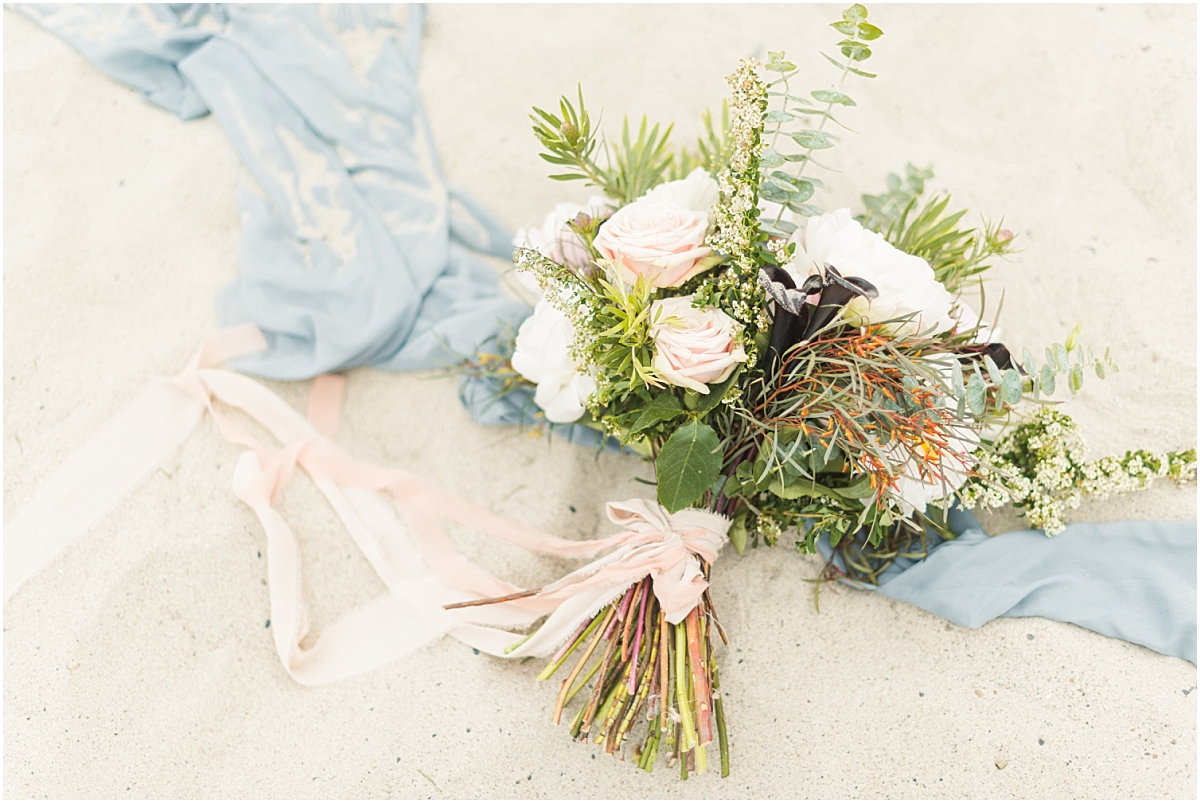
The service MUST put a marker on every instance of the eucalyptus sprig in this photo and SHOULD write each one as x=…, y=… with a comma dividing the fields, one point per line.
x=793, y=190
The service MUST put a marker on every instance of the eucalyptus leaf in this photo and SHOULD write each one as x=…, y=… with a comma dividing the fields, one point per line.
x=1075, y=378
x=808, y=210
x=814, y=140
x=993, y=370
x=689, y=463
x=1073, y=338
x=1027, y=358
x=778, y=116
x=1010, y=388
x=956, y=376
x=1099, y=367
x=833, y=96
x=976, y=394
x=1060, y=358
x=867, y=32
x=856, y=13
x=1048, y=379
x=771, y=158
x=845, y=27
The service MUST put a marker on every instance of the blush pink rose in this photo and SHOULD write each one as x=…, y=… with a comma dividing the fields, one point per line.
x=662, y=240
x=694, y=347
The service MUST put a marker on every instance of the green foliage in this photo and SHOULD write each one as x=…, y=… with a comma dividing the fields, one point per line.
x=632, y=167
x=792, y=190
x=885, y=208
x=688, y=465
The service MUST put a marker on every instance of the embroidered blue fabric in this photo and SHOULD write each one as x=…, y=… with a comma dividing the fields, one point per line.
x=355, y=251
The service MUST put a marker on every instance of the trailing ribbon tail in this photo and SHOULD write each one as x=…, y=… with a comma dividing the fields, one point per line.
x=114, y=462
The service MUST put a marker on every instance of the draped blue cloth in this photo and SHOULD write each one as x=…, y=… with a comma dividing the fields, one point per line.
x=355, y=251
x=1133, y=580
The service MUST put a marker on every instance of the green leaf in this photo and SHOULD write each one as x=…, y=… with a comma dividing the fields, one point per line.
x=784, y=228
x=663, y=407
x=855, y=51
x=845, y=27
x=772, y=193
x=833, y=96
x=690, y=462
x=841, y=66
x=1010, y=388
x=716, y=393
x=956, y=376
x=867, y=32
x=811, y=139
x=771, y=158
x=1048, y=379
x=1075, y=378
x=1060, y=358
x=993, y=370
x=856, y=13
x=808, y=210
x=1099, y=367
x=976, y=394
x=1029, y=364
x=737, y=532
x=1073, y=338
x=777, y=116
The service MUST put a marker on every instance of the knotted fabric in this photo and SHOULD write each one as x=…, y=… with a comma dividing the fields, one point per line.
x=419, y=564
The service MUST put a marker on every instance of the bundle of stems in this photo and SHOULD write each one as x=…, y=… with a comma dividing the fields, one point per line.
x=645, y=669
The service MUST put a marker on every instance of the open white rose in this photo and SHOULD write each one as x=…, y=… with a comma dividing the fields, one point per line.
x=661, y=240
x=906, y=283
x=698, y=192
x=543, y=356
x=694, y=347
x=555, y=240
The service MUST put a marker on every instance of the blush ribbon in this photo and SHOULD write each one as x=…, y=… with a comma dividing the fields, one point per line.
x=420, y=565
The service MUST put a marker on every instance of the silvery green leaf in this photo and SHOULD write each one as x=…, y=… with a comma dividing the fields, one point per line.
x=1047, y=380
x=796, y=157
x=976, y=394
x=833, y=96
x=1099, y=368
x=992, y=369
x=1027, y=357
x=808, y=210
x=777, y=116
x=773, y=193
x=811, y=139
x=1075, y=378
x=771, y=158
x=1060, y=358
x=956, y=375
x=845, y=27
x=1010, y=388
x=1073, y=338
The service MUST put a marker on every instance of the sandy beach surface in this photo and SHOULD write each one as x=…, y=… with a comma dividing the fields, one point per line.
x=139, y=662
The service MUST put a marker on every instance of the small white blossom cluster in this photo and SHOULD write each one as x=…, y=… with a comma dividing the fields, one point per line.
x=560, y=289
x=1040, y=467
x=735, y=229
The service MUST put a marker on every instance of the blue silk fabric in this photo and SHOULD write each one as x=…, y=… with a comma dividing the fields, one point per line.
x=355, y=251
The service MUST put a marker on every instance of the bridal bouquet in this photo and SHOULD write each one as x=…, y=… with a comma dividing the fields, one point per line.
x=783, y=366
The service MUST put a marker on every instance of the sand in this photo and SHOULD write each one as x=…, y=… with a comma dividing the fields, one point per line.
x=138, y=663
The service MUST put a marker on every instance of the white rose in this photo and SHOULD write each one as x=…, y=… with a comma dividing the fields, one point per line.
x=543, y=356
x=906, y=283
x=694, y=347
x=661, y=240
x=698, y=192
x=555, y=240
